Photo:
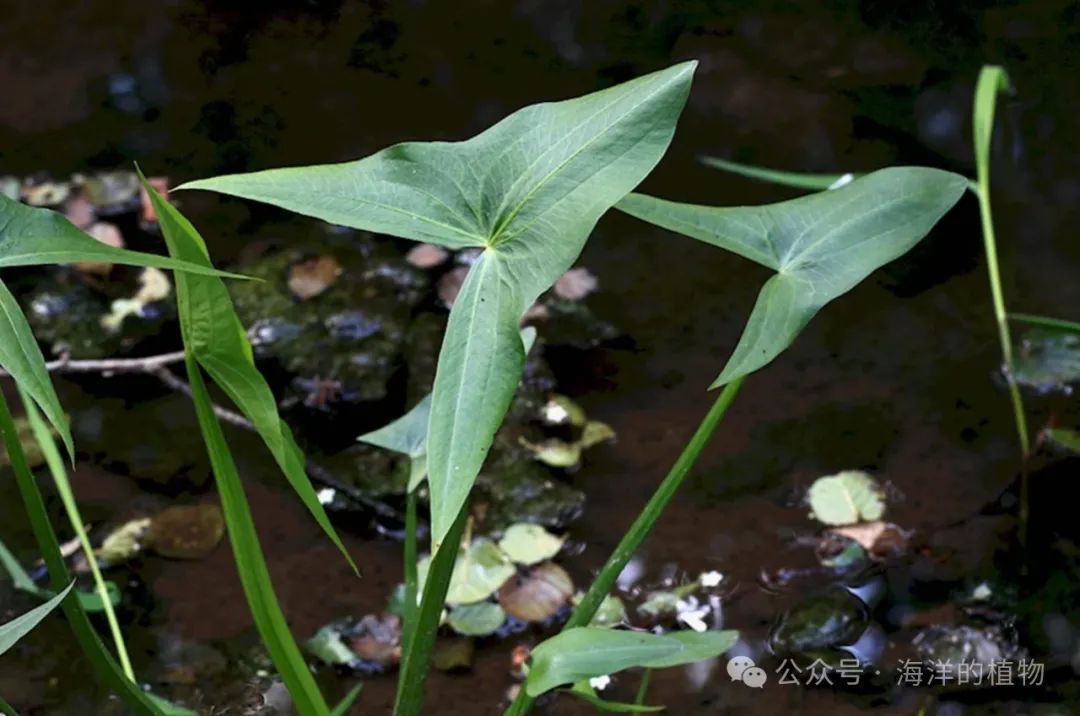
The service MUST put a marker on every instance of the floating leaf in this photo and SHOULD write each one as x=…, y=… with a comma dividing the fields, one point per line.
x=528, y=543
x=1048, y=360
x=479, y=619
x=561, y=410
x=329, y=647
x=90, y=601
x=186, y=531
x=554, y=452
x=527, y=192
x=610, y=613
x=453, y=654
x=821, y=245
x=537, y=595
x=20, y=626
x=479, y=571
x=846, y=498
x=586, y=652
x=309, y=278
x=124, y=542
x=595, y=433
x=664, y=602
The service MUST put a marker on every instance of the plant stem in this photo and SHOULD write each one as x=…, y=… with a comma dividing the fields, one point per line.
x=991, y=81
x=410, y=609
x=648, y=517
x=67, y=497
x=5, y=708
x=100, y=658
x=417, y=651
x=643, y=688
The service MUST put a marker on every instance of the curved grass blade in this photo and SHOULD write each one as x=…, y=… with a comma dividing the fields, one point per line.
x=587, y=652
x=796, y=180
x=5, y=708
x=67, y=497
x=528, y=191
x=20, y=626
x=216, y=339
x=346, y=703
x=31, y=236
x=21, y=356
x=250, y=563
x=101, y=660
x=820, y=245
x=1046, y=321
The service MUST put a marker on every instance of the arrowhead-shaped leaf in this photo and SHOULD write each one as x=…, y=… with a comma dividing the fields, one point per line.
x=820, y=245
x=586, y=652
x=528, y=191
x=215, y=337
x=20, y=626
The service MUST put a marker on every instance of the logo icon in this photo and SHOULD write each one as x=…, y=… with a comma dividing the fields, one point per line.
x=742, y=668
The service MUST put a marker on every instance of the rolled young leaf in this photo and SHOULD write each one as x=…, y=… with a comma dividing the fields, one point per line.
x=215, y=337
x=528, y=191
x=820, y=245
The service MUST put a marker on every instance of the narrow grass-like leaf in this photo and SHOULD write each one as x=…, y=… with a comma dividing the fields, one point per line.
x=1046, y=321
x=254, y=575
x=106, y=668
x=796, y=180
x=528, y=191
x=31, y=236
x=20, y=626
x=587, y=652
x=20, y=579
x=5, y=708
x=820, y=245
x=44, y=438
x=216, y=339
x=346, y=703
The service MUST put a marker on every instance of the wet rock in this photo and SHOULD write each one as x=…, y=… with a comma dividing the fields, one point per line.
x=186, y=662
x=574, y=324
x=953, y=645
x=186, y=531
x=515, y=488
x=828, y=620
x=344, y=344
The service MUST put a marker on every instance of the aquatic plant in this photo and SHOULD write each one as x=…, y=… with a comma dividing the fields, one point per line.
x=526, y=194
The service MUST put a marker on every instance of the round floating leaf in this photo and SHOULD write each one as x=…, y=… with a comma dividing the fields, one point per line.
x=846, y=498
x=529, y=544
x=538, y=595
x=479, y=619
x=478, y=572
x=611, y=612
x=594, y=433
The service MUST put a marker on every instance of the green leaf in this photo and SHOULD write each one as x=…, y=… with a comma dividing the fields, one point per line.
x=1046, y=321
x=1047, y=359
x=479, y=619
x=20, y=626
x=250, y=563
x=214, y=336
x=528, y=191
x=407, y=435
x=846, y=498
x=168, y=708
x=583, y=691
x=992, y=79
x=21, y=357
x=1065, y=439
x=480, y=569
x=586, y=652
x=31, y=236
x=105, y=667
x=797, y=180
x=346, y=703
x=328, y=647
x=529, y=544
x=820, y=245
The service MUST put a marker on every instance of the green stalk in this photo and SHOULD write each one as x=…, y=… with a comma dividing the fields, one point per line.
x=417, y=652
x=1046, y=322
x=637, y=533
x=100, y=659
x=992, y=80
x=410, y=608
x=643, y=688
x=5, y=708
x=55, y=462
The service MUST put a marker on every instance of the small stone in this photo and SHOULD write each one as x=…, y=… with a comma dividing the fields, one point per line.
x=427, y=256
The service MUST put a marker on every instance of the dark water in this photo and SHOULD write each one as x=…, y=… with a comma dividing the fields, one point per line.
x=899, y=377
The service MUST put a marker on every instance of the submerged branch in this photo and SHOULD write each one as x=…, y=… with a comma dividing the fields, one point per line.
x=158, y=367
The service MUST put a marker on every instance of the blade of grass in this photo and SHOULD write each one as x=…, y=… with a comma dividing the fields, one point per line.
x=992, y=79
x=55, y=462
x=643, y=687
x=101, y=660
x=346, y=703
x=410, y=609
x=1046, y=321
x=20, y=626
x=641, y=527
x=250, y=563
x=797, y=180
x=5, y=708
x=417, y=651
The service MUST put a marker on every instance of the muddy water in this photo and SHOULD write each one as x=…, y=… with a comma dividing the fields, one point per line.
x=898, y=377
